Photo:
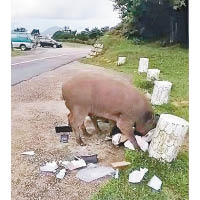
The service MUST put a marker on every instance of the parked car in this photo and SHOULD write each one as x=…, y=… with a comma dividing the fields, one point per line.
x=47, y=42
x=22, y=40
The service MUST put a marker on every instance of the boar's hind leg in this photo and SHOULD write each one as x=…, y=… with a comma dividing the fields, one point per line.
x=76, y=121
x=127, y=130
x=84, y=130
x=95, y=123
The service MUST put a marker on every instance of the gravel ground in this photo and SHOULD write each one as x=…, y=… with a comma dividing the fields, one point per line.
x=36, y=109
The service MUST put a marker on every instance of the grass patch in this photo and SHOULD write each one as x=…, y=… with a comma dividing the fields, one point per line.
x=173, y=175
x=76, y=45
x=172, y=62
x=16, y=53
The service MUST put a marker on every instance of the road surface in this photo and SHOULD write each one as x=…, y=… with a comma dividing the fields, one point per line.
x=41, y=60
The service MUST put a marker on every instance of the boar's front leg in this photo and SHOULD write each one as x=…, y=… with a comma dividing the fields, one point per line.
x=76, y=120
x=127, y=130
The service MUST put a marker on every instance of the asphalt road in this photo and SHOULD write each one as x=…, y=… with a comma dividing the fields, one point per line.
x=40, y=60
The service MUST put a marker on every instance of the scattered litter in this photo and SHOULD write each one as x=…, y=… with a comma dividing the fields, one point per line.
x=149, y=135
x=30, y=153
x=120, y=164
x=78, y=163
x=123, y=139
x=107, y=138
x=136, y=176
x=61, y=174
x=60, y=129
x=116, y=139
x=155, y=183
x=142, y=143
x=49, y=167
x=93, y=172
x=90, y=159
x=116, y=173
x=129, y=145
x=75, y=164
x=64, y=138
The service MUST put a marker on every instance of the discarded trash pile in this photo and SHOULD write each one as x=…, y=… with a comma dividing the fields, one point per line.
x=143, y=142
x=90, y=171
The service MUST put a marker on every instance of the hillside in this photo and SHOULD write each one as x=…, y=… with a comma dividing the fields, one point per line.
x=51, y=30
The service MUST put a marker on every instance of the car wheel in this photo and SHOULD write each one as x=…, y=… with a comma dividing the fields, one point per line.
x=23, y=47
x=54, y=46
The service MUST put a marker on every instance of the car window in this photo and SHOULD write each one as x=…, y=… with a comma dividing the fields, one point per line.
x=13, y=35
x=24, y=35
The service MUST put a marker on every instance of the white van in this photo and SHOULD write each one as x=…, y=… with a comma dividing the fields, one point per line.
x=22, y=40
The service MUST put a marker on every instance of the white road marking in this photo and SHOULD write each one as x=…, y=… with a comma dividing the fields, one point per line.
x=28, y=61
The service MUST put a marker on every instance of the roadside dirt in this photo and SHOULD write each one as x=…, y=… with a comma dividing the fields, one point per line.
x=36, y=109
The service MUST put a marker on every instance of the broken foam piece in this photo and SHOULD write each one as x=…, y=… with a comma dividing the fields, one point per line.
x=49, y=167
x=29, y=153
x=136, y=176
x=142, y=143
x=116, y=139
x=129, y=145
x=94, y=172
x=155, y=183
x=61, y=174
x=75, y=164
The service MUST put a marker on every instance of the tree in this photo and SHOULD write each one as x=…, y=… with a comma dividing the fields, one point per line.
x=154, y=19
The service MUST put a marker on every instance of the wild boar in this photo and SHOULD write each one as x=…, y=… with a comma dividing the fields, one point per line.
x=100, y=95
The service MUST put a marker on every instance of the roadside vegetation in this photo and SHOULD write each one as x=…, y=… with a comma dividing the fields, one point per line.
x=173, y=63
x=15, y=52
x=84, y=37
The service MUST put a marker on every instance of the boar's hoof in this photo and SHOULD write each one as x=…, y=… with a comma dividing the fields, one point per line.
x=80, y=142
x=83, y=144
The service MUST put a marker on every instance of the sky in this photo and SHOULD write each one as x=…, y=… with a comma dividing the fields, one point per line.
x=77, y=14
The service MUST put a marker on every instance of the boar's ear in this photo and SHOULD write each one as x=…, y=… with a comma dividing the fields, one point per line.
x=148, y=116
